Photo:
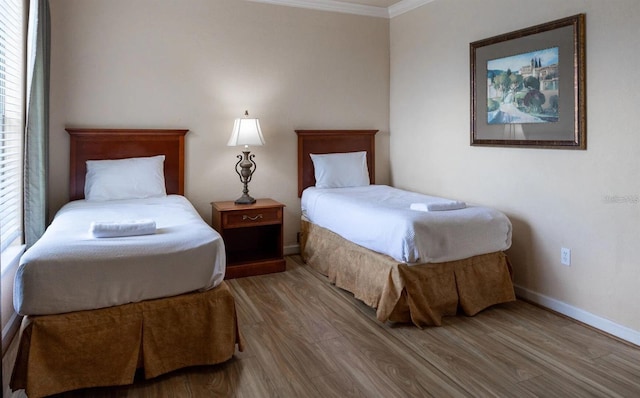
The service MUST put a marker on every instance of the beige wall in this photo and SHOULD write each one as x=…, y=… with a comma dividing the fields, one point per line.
x=199, y=64
x=587, y=201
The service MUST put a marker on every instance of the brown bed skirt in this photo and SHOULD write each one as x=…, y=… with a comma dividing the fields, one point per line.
x=421, y=294
x=104, y=347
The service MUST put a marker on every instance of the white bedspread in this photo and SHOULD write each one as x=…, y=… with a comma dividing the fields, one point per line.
x=379, y=218
x=70, y=270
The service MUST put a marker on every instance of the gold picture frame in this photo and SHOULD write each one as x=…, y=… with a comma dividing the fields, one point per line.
x=528, y=87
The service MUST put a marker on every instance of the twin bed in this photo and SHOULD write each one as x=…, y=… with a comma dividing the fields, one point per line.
x=97, y=309
x=410, y=265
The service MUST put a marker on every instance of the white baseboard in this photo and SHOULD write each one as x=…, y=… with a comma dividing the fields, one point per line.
x=607, y=326
x=292, y=249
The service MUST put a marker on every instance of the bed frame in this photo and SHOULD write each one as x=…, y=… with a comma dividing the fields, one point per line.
x=105, y=347
x=98, y=144
x=421, y=294
x=332, y=141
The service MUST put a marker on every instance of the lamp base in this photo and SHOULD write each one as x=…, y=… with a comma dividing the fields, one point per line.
x=245, y=200
x=245, y=172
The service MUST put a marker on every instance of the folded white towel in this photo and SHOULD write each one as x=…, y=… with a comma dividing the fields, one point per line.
x=438, y=206
x=114, y=229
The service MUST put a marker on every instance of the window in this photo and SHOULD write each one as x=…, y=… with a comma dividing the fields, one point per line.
x=11, y=120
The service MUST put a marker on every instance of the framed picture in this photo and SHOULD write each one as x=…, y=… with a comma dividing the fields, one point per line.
x=528, y=87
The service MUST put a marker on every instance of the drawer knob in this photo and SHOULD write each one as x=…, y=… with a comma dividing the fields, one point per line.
x=246, y=217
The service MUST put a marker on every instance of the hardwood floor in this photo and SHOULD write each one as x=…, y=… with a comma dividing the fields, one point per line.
x=306, y=338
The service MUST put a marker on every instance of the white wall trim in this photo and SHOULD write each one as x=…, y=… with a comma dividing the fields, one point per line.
x=405, y=6
x=332, y=5
x=607, y=326
x=349, y=8
x=292, y=249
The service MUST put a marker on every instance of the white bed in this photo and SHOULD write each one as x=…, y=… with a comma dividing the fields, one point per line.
x=380, y=218
x=69, y=269
x=411, y=266
x=99, y=309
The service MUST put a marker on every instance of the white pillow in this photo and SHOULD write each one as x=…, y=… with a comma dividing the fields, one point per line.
x=341, y=170
x=131, y=178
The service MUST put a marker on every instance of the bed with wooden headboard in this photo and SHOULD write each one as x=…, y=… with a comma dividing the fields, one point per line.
x=104, y=347
x=332, y=141
x=95, y=144
x=421, y=293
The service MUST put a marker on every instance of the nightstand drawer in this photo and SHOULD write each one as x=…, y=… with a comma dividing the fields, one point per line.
x=252, y=217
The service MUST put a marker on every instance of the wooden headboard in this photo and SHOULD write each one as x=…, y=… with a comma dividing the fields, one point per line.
x=99, y=144
x=332, y=141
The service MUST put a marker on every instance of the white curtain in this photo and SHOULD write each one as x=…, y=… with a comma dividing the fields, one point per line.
x=36, y=143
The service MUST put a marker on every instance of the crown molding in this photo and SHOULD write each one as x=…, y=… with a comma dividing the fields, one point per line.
x=332, y=5
x=405, y=6
x=349, y=8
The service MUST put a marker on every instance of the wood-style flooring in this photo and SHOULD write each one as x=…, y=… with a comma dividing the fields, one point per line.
x=306, y=338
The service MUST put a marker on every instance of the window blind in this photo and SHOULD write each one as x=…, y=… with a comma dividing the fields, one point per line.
x=11, y=120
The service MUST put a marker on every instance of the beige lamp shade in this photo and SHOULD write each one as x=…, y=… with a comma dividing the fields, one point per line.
x=247, y=132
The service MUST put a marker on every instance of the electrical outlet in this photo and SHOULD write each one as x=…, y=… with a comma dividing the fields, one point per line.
x=565, y=256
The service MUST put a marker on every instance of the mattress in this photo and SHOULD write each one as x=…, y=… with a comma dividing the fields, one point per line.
x=68, y=269
x=379, y=218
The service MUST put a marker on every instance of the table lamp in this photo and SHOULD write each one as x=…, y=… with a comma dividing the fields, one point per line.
x=246, y=131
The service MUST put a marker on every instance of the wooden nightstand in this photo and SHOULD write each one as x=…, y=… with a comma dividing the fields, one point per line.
x=252, y=236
